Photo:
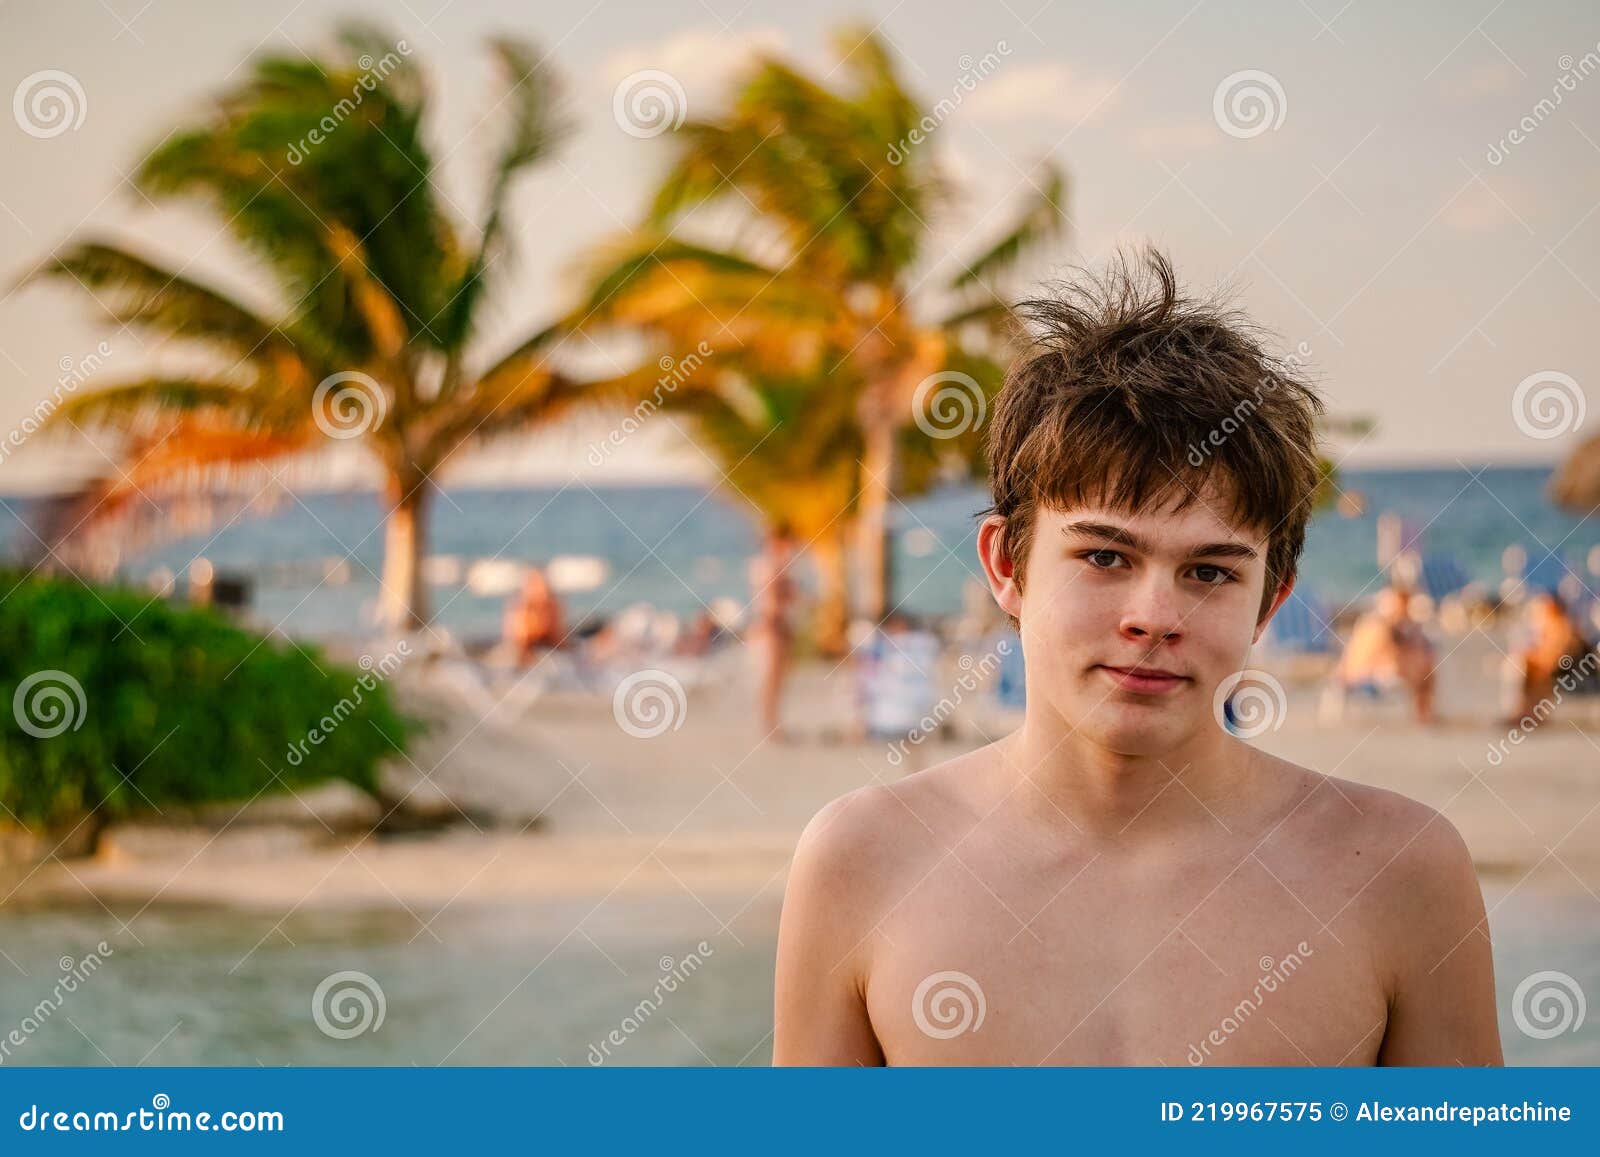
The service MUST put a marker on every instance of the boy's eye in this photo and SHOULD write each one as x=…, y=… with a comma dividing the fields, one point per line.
x=1212, y=575
x=1103, y=559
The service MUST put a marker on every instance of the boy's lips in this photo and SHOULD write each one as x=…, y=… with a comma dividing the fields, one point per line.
x=1145, y=679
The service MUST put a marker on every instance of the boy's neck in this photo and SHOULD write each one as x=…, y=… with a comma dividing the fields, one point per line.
x=1132, y=798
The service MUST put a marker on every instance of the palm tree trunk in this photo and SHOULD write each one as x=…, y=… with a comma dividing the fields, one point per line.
x=404, y=600
x=833, y=601
x=879, y=462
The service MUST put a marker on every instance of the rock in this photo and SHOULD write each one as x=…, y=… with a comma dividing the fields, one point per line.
x=337, y=805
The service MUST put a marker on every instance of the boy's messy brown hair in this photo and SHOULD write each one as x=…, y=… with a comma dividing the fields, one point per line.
x=1132, y=395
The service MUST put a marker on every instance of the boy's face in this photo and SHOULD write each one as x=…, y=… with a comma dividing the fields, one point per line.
x=1130, y=622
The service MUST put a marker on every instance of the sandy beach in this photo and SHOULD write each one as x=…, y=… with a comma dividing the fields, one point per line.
x=560, y=800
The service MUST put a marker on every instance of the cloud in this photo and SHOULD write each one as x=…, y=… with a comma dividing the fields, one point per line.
x=1478, y=210
x=1048, y=90
x=703, y=60
x=1491, y=79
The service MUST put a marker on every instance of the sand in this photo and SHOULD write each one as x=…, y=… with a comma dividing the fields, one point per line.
x=560, y=800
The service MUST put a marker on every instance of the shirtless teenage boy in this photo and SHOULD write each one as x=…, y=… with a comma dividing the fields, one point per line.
x=1121, y=881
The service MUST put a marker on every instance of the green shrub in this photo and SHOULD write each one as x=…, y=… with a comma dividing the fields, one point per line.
x=116, y=702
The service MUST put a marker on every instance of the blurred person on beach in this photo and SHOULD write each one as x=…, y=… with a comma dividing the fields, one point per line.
x=769, y=636
x=895, y=674
x=533, y=619
x=1121, y=881
x=1548, y=645
x=1387, y=649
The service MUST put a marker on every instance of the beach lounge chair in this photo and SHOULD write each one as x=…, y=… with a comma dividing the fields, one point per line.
x=1441, y=575
x=1302, y=626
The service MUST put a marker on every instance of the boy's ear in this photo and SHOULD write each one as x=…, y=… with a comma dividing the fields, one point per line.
x=997, y=566
x=1277, y=601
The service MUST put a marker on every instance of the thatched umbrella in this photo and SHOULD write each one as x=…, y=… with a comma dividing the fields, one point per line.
x=1576, y=485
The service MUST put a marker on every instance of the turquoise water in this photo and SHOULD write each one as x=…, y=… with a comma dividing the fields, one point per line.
x=678, y=547
x=517, y=986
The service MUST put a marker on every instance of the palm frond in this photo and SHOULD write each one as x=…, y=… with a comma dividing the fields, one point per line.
x=1042, y=219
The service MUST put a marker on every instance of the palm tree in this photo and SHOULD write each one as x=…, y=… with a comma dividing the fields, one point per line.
x=820, y=276
x=790, y=448
x=320, y=169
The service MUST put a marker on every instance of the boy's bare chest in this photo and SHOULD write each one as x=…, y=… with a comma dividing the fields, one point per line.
x=1248, y=961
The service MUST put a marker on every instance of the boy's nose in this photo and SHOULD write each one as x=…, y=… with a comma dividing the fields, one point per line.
x=1154, y=614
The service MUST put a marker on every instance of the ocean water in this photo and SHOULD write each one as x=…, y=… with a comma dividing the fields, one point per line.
x=678, y=548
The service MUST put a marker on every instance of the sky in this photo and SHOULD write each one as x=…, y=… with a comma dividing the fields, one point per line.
x=1407, y=195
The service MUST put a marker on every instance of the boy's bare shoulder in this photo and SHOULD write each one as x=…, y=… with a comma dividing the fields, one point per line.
x=1411, y=868
x=866, y=840
x=1413, y=835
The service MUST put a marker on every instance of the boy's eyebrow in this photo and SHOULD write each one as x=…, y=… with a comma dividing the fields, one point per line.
x=1121, y=534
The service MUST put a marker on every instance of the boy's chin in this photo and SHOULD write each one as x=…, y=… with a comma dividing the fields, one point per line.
x=1136, y=733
